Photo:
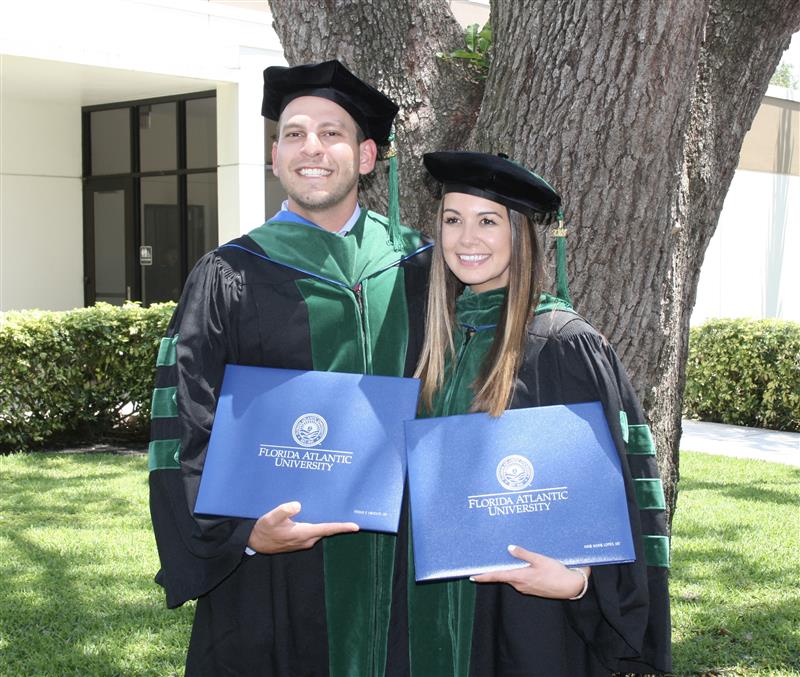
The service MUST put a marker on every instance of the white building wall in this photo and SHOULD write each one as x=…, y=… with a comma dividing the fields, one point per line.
x=240, y=153
x=188, y=38
x=751, y=264
x=469, y=12
x=41, y=226
x=56, y=57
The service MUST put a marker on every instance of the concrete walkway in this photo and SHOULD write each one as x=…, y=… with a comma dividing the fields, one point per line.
x=741, y=442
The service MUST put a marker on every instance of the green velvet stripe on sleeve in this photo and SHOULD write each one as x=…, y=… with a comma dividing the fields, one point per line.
x=164, y=455
x=641, y=440
x=623, y=423
x=165, y=403
x=656, y=550
x=166, y=352
x=650, y=494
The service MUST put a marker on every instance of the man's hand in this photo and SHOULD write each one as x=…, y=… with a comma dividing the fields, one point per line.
x=544, y=576
x=276, y=531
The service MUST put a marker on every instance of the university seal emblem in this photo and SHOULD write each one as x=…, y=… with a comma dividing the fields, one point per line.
x=309, y=430
x=515, y=472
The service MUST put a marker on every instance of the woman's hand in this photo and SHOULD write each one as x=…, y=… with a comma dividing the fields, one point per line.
x=544, y=576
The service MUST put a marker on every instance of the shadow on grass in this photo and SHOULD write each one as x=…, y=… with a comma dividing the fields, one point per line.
x=764, y=491
x=738, y=604
x=761, y=639
x=47, y=494
x=84, y=612
x=733, y=571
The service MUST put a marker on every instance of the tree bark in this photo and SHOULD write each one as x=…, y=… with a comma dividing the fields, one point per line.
x=605, y=102
x=634, y=111
x=742, y=46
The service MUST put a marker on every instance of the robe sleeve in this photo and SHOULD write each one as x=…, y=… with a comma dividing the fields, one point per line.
x=196, y=553
x=625, y=616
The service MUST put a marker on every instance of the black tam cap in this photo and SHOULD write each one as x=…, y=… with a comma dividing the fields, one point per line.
x=495, y=178
x=372, y=111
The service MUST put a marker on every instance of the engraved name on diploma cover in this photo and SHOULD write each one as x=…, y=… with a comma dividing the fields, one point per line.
x=545, y=478
x=332, y=441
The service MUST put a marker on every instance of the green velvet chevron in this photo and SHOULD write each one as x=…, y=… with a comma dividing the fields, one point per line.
x=650, y=493
x=164, y=455
x=623, y=424
x=656, y=550
x=166, y=352
x=640, y=440
x=165, y=403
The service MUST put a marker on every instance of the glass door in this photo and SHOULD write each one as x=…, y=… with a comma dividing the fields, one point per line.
x=150, y=195
x=109, y=241
x=161, y=249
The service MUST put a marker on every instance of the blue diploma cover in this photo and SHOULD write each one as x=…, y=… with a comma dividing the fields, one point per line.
x=332, y=441
x=545, y=478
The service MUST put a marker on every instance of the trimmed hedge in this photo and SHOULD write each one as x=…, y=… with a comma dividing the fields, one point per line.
x=78, y=375
x=745, y=372
x=88, y=373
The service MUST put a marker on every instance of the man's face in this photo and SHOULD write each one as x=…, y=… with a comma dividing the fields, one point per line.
x=317, y=156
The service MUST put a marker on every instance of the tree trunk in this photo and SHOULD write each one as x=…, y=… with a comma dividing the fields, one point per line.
x=604, y=101
x=634, y=111
x=742, y=47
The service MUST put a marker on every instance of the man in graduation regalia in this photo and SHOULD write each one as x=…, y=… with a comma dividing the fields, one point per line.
x=322, y=285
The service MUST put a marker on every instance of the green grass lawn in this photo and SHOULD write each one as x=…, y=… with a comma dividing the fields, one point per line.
x=77, y=558
x=735, y=582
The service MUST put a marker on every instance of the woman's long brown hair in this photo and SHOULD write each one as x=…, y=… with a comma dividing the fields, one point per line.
x=494, y=386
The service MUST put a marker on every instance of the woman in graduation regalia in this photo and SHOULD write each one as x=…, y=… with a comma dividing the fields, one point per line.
x=494, y=341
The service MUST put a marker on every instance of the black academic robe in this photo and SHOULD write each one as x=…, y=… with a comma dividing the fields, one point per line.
x=290, y=296
x=622, y=624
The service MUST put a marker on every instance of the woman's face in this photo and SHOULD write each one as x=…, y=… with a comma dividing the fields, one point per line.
x=476, y=240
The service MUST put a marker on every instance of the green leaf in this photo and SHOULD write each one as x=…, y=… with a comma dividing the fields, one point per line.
x=470, y=36
x=462, y=54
